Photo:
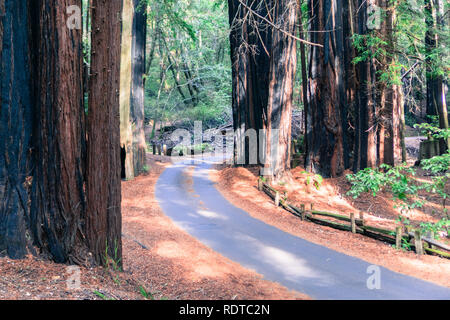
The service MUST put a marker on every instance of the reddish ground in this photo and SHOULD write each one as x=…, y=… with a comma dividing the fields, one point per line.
x=238, y=185
x=158, y=256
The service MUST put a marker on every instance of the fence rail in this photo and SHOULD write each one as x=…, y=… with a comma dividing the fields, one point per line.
x=397, y=237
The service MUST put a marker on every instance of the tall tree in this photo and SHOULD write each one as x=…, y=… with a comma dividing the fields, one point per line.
x=126, y=128
x=264, y=60
x=250, y=58
x=132, y=93
x=15, y=127
x=138, y=52
x=436, y=100
x=392, y=149
x=283, y=63
x=58, y=200
x=42, y=113
x=104, y=222
x=326, y=93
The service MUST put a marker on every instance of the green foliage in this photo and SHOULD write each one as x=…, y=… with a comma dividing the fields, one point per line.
x=188, y=150
x=112, y=263
x=396, y=180
x=190, y=77
x=148, y=295
x=369, y=46
x=442, y=225
x=102, y=296
x=439, y=166
x=314, y=179
x=432, y=129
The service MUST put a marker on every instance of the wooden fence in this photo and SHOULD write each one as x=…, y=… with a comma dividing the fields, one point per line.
x=357, y=224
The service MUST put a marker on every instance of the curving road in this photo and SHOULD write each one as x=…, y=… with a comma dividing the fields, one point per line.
x=291, y=261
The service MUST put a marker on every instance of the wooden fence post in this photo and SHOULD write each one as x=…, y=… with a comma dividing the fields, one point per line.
x=277, y=199
x=398, y=237
x=361, y=217
x=353, y=221
x=260, y=184
x=303, y=212
x=418, y=242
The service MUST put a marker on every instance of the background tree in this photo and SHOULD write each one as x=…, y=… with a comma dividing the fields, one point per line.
x=138, y=52
x=264, y=59
x=326, y=94
x=435, y=39
x=104, y=223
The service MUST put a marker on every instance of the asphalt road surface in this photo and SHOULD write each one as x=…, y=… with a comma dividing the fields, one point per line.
x=295, y=263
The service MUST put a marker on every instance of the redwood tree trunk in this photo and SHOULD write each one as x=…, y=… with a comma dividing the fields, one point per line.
x=103, y=187
x=264, y=62
x=15, y=127
x=365, y=147
x=137, y=85
x=283, y=65
x=58, y=201
x=132, y=93
x=326, y=93
x=436, y=100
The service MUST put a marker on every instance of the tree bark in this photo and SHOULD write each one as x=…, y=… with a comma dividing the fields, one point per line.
x=303, y=68
x=326, y=93
x=283, y=65
x=250, y=48
x=126, y=128
x=392, y=145
x=103, y=187
x=264, y=62
x=365, y=147
x=137, y=85
x=15, y=128
x=436, y=100
x=58, y=200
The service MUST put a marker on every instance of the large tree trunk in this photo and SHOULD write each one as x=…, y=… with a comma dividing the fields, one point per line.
x=283, y=65
x=391, y=132
x=126, y=129
x=430, y=45
x=250, y=57
x=15, y=127
x=365, y=147
x=132, y=94
x=48, y=100
x=436, y=100
x=58, y=202
x=303, y=65
x=326, y=93
x=137, y=85
x=264, y=62
x=103, y=187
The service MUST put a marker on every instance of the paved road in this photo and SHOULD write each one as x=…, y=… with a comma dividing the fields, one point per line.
x=291, y=261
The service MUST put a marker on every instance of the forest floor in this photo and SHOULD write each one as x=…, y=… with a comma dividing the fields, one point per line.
x=157, y=256
x=239, y=186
